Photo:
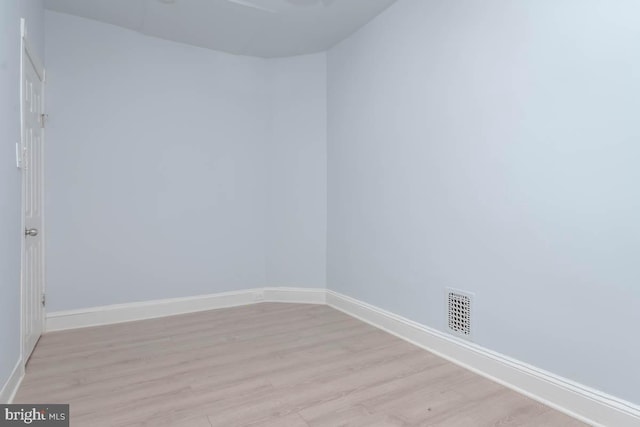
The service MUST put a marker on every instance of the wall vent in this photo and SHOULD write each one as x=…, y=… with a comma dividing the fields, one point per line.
x=459, y=312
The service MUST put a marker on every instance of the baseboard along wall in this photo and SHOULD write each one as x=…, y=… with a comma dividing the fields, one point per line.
x=120, y=313
x=584, y=403
x=10, y=388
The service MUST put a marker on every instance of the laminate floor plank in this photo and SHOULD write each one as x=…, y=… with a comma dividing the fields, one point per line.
x=264, y=365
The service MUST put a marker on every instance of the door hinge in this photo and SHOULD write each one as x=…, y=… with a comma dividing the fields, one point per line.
x=44, y=300
x=43, y=119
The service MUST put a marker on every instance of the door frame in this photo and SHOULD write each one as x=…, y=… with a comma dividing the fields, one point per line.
x=27, y=53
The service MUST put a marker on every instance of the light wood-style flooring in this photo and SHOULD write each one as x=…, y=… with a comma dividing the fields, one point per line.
x=276, y=365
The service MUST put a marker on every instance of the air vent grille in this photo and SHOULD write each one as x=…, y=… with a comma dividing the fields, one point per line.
x=459, y=312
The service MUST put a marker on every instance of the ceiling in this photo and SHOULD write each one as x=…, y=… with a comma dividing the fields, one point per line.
x=266, y=28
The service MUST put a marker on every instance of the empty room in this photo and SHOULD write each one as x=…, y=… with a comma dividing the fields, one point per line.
x=320, y=213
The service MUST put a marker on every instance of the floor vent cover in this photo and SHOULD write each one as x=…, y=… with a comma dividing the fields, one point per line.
x=459, y=312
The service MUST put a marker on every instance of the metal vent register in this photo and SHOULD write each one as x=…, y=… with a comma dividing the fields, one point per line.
x=459, y=312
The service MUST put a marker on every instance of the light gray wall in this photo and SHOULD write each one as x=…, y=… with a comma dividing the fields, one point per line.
x=10, y=194
x=158, y=168
x=493, y=146
x=297, y=204
x=155, y=167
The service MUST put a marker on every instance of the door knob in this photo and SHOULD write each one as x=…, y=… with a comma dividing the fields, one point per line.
x=31, y=232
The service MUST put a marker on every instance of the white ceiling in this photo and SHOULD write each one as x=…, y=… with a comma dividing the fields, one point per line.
x=267, y=28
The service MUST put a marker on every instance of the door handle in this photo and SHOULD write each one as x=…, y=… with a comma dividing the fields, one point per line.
x=31, y=232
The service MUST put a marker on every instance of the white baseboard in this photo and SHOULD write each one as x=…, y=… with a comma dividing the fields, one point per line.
x=8, y=392
x=296, y=295
x=119, y=313
x=581, y=402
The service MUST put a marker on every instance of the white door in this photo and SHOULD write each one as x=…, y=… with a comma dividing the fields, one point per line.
x=32, y=200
